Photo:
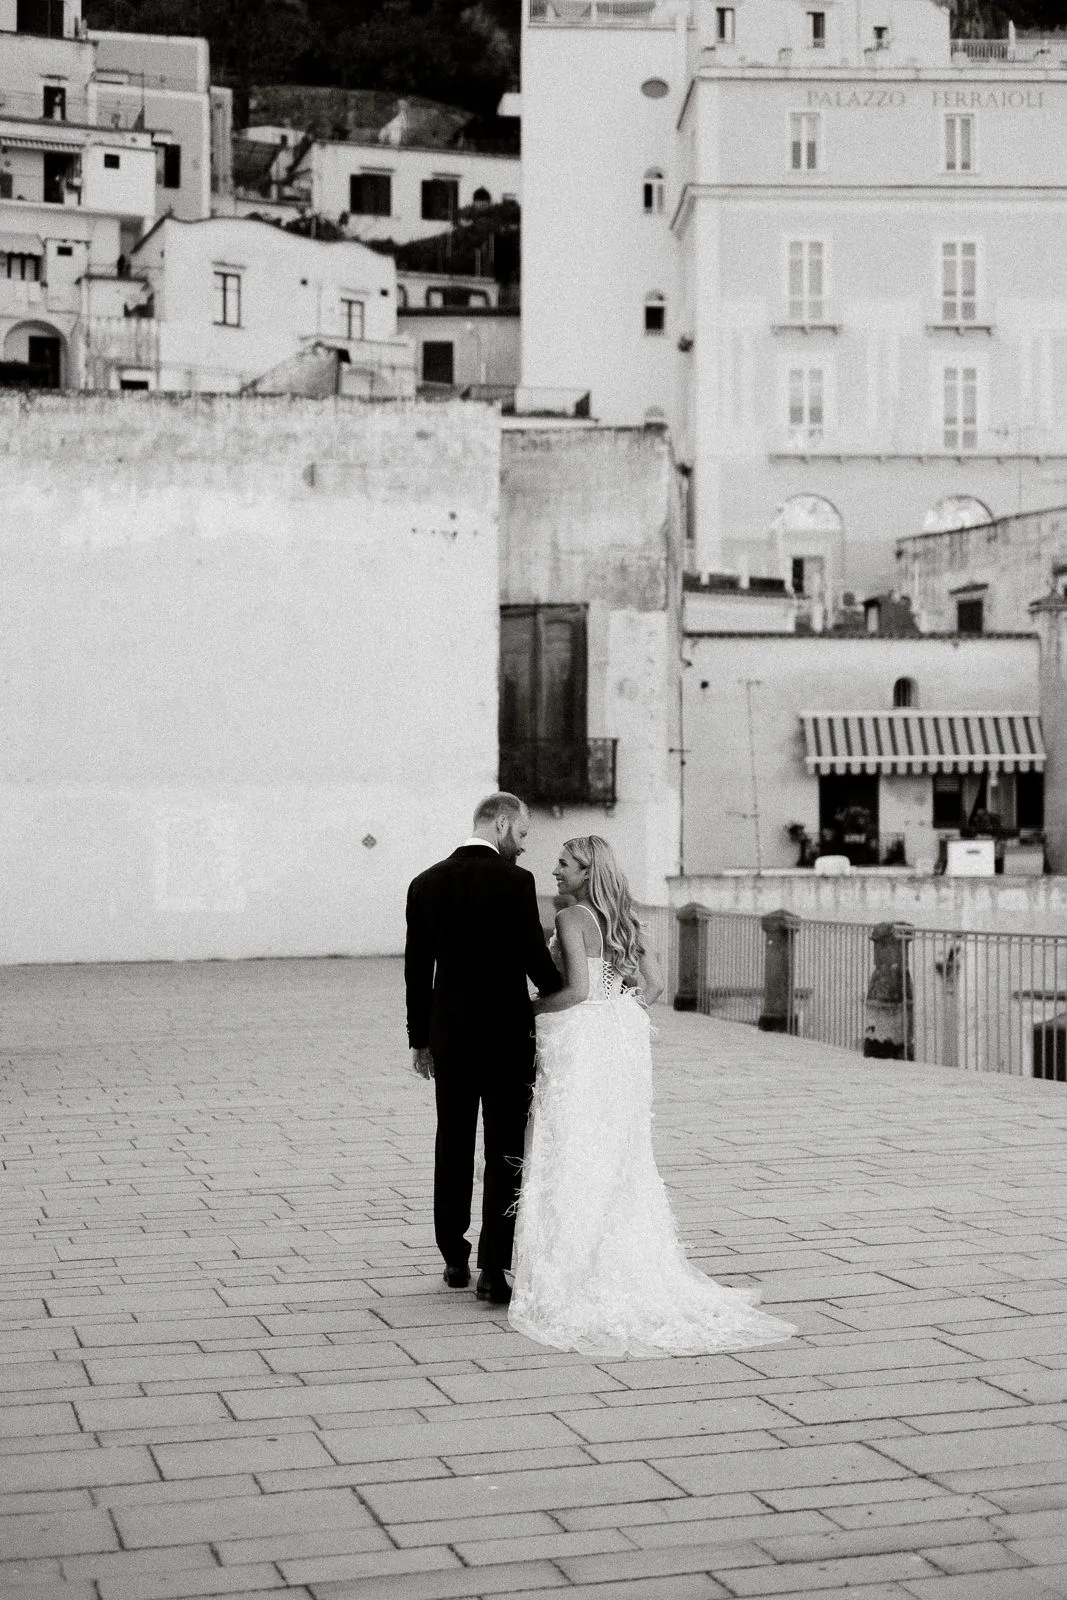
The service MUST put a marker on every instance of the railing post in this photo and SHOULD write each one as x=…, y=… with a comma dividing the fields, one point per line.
x=888, y=1032
x=779, y=942
x=687, y=985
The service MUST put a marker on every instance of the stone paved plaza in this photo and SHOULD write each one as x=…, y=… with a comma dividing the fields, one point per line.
x=229, y=1366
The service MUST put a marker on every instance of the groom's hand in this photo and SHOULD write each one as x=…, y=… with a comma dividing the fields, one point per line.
x=422, y=1061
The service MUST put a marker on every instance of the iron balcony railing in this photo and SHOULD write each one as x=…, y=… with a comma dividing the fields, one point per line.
x=560, y=771
x=980, y=1002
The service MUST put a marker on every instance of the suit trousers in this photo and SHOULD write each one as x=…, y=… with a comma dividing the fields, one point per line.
x=502, y=1089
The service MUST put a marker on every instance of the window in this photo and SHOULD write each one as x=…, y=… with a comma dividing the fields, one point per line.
x=440, y=199
x=817, y=30
x=22, y=268
x=905, y=693
x=807, y=395
x=58, y=169
x=948, y=800
x=959, y=280
x=438, y=363
x=1029, y=800
x=370, y=194
x=655, y=314
x=481, y=198
x=881, y=38
x=455, y=298
x=352, y=318
x=724, y=24
x=132, y=385
x=809, y=576
x=542, y=679
x=804, y=141
x=7, y=187
x=44, y=18
x=959, y=142
x=64, y=249
x=227, y=299
x=169, y=166
x=112, y=161
x=55, y=102
x=960, y=412
x=970, y=614
x=806, y=280
x=652, y=192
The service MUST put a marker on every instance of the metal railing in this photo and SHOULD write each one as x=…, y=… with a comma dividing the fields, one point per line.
x=980, y=1002
x=610, y=13
x=560, y=771
x=1024, y=47
x=73, y=112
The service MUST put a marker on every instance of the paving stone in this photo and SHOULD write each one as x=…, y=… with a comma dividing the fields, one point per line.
x=218, y=1260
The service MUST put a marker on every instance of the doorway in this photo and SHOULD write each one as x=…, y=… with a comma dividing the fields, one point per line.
x=46, y=359
x=848, y=816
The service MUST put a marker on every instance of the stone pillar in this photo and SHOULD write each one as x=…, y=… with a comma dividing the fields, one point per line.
x=779, y=939
x=1050, y=621
x=888, y=1031
x=690, y=946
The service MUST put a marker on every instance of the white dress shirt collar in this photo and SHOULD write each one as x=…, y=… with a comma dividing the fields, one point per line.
x=489, y=845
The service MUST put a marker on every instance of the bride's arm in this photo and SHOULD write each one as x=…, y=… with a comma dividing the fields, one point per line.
x=575, y=969
x=651, y=982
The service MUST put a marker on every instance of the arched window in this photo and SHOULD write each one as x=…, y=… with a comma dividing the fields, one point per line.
x=956, y=511
x=905, y=694
x=401, y=295
x=655, y=314
x=653, y=192
x=480, y=197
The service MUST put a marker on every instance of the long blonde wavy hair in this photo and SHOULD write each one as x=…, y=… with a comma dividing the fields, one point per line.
x=609, y=893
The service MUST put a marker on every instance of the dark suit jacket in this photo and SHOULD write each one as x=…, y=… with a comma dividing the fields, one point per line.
x=473, y=935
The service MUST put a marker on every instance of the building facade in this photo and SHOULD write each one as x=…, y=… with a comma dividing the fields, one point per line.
x=589, y=649
x=825, y=243
x=876, y=748
x=399, y=191
x=77, y=187
x=985, y=578
x=229, y=299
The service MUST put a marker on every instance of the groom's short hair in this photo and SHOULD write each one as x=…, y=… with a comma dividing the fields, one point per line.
x=498, y=805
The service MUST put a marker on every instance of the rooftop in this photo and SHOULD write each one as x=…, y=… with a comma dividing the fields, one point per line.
x=230, y=1365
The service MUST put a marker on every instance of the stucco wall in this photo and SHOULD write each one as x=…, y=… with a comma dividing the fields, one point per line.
x=991, y=905
x=238, y=639
x=590, y=516
x=1013, y=557
x=795, y=673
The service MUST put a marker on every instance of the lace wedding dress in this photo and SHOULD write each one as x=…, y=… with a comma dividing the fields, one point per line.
x=599, y=1266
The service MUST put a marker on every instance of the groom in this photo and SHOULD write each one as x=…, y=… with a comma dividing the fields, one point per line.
x=473, y=936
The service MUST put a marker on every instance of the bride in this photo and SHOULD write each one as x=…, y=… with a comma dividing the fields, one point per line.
x=599, y=1265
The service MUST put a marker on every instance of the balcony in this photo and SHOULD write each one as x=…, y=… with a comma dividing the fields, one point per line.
x=1036, y=49
x=601, y=13
x=70, y=111
x=560, y=772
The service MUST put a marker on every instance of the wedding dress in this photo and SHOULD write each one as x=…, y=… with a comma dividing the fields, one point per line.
x=599, y=1266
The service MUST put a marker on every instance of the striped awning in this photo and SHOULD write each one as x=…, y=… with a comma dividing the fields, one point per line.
x=41, y=141
x=922, y=741
x=20, y=244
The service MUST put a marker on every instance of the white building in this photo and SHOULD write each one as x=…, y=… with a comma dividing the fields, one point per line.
x=99, y=133
x=77, y=186
x=229, y=299
x=166, y=82
x=401, y=192
x=823, y=241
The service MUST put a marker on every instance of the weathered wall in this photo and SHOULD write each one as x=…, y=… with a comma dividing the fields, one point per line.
x=1014, y=556
x=248, y=667
x=991, y=905
x=590, y=516
x=812, y=672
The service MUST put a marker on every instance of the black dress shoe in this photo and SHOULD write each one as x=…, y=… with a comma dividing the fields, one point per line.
x=457, y=1277
x=493, y=1286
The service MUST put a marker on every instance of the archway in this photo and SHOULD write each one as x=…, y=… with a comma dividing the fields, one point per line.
x=808, y=532
x=956, y=511
x=40, y=351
